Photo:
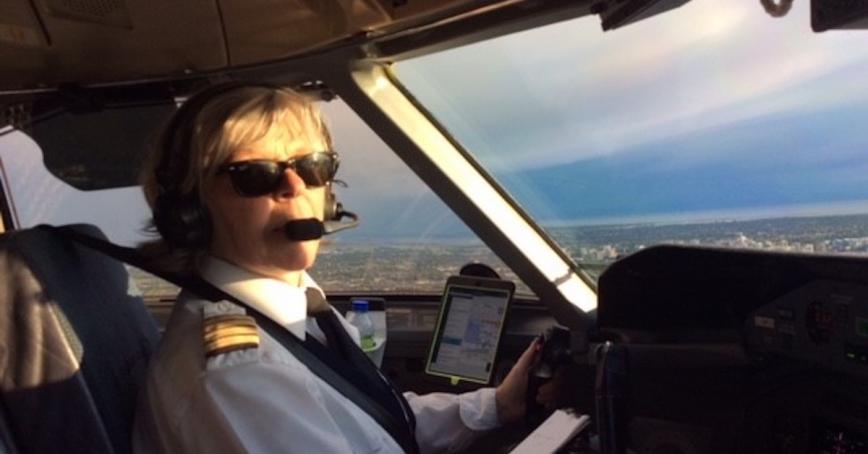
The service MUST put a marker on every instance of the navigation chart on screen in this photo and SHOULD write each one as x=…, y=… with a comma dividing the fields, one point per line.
x=470, y=329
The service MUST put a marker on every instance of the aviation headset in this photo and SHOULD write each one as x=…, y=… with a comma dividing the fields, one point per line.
x=181, y=218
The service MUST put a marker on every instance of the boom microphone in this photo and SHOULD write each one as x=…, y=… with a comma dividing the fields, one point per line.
x=337, y=223
x=304, y=229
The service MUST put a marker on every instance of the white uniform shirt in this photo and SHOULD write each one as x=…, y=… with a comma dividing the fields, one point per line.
x=263, y=399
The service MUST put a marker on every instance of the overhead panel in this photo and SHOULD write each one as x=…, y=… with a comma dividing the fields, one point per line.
x=19, y=26
x=112, y=13
x=22, y=39
x=265, y=30
x=46, y=43
x=410, y=9
x=268, y=30
x=410, y=14
x=95, y=41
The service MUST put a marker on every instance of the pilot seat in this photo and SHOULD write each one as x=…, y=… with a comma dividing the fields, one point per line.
x=74, y=345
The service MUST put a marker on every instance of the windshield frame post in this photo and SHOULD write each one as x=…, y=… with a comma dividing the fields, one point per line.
x=423, y=146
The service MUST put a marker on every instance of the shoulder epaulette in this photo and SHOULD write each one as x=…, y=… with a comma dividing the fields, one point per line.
x=229, y=332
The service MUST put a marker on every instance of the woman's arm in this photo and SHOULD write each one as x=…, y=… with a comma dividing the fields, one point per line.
x=448, y=422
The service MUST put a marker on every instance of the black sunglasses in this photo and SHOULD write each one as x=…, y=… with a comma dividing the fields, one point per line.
x=259, y=177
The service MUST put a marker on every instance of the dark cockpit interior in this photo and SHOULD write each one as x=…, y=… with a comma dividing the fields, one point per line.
x=769, y=349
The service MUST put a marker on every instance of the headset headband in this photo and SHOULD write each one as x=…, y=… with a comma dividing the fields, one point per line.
x=183, y=119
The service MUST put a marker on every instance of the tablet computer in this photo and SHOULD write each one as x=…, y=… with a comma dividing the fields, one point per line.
x=469, y=327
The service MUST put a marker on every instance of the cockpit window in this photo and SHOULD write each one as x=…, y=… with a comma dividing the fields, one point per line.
x=35, y=196
x=408, y=241
x=713, y=124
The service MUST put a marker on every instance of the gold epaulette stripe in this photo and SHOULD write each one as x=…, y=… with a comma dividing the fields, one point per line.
x=231, y=343
x=229, y=332
x=229, y=318
x=218, y=327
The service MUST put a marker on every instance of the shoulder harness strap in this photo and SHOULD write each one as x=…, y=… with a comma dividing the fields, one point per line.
x=402, y=431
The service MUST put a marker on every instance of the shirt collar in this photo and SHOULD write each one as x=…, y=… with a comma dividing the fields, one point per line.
x=284, y=303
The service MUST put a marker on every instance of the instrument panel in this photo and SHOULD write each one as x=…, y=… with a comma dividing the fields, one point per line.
x=799, y=321
x=821, y=407
x=824, y=323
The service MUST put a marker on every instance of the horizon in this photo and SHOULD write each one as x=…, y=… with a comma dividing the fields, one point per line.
x=651, y=221
x=746, y=214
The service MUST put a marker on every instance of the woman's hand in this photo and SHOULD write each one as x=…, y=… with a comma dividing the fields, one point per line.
x=510, y=395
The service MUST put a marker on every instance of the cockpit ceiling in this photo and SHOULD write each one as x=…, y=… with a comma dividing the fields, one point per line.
x=54, y=42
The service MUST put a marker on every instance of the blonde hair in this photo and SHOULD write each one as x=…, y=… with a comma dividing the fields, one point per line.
x=202, y=135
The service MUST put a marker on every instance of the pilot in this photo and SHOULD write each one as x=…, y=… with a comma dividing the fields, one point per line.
x=239, y=173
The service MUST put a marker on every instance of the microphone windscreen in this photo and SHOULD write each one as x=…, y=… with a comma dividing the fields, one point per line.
x=304, y=229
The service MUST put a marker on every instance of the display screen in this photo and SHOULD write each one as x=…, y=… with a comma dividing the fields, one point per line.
x=468, y=332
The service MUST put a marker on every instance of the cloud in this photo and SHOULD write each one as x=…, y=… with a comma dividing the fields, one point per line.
x=569, y=92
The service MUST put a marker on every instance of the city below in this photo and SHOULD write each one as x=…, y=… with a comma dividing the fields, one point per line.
x=424, y=266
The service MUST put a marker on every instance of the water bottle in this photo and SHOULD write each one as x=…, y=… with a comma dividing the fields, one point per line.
x=361, y=319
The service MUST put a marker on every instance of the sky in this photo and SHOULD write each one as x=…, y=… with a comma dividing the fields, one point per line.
x=580, y=92
x=690, y=106
x=714, y=107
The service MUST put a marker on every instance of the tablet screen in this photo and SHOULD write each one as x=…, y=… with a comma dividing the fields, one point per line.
x=468, y=332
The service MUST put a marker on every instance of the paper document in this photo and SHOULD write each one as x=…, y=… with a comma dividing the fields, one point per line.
x=558, y=429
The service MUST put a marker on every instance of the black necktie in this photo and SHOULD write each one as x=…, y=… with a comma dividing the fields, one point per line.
x=365, y=372
x=336, y=337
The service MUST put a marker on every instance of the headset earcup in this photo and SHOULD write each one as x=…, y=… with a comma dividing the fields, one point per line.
x=182, y=221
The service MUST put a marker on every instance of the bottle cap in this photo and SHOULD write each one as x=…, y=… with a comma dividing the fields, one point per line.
x=360, y=306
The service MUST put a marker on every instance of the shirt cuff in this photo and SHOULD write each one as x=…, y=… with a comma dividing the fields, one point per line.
x=478, y=409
